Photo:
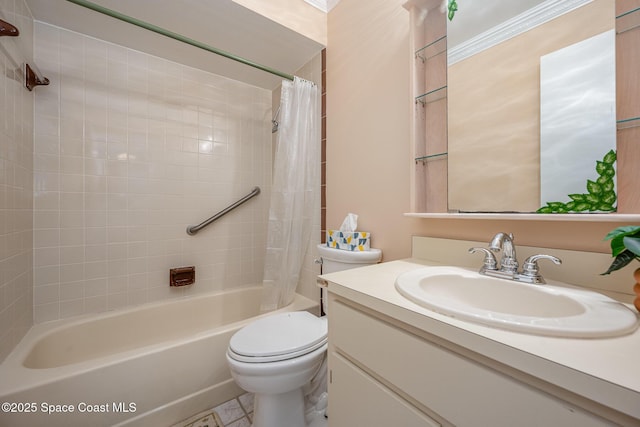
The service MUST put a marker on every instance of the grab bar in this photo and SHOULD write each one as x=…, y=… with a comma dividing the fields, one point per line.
x=193, y=229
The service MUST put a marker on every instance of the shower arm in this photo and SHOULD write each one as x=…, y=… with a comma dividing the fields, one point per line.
x=274, y=122
x=176, y=36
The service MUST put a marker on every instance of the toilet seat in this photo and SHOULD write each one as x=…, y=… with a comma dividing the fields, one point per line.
x=279, y=337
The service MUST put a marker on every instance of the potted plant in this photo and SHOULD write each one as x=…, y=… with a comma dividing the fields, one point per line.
x=625, y=247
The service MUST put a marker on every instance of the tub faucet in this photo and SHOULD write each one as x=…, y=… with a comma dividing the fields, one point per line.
x=504, y=242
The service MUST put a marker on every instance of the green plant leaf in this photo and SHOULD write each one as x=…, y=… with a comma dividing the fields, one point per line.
x=581, y=207
x=555, y=205
x=606, y=183
x=617, y=246
x=591, y=198
x=609, y=172
x=610, y=157
x=605, y=207
x=593, y=187
x=600, y=194
x=617, y=235
x=625, y=230
x=632, y=244
x=608, y=197
x=622, y=260
x=453, y=7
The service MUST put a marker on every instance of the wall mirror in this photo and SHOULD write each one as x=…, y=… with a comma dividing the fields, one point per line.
x=499, y=109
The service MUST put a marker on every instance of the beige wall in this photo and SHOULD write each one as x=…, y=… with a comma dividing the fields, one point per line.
x=368, y=122
x=368, y=158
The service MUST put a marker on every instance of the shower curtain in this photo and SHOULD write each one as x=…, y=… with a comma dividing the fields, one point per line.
x=294, y=193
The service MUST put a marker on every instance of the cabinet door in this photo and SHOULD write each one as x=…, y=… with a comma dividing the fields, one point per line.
x=462, y=391
x=356, y=399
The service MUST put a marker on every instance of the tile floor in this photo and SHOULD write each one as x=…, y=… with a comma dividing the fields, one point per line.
x=236, y=412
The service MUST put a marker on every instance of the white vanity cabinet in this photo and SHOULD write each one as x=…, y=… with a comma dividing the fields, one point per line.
x=383, y=372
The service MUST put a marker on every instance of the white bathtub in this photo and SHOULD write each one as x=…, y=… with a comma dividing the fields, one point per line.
x=152, y=365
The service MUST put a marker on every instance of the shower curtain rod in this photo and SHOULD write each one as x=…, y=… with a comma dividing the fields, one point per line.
x=176, y=36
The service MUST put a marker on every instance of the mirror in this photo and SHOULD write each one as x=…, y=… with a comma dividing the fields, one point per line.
x=578, y=126
x=495, y=48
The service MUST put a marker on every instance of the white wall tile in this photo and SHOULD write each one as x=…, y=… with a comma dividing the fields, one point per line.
x=133, y=149
x=46, y=237
x=46, y=312
x=71, y=291
x=129, y=149
x=69, y=308
x=71, y=273
x=46, y=294
x=46, y=275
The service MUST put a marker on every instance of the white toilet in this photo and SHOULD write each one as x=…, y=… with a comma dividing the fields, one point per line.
x=277, y=356
x=338, y=260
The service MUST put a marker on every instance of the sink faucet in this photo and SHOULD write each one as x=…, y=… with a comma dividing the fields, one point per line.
x=509, y=263
x=504, y=242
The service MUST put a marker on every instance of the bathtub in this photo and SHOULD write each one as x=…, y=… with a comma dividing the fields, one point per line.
x=152, y=365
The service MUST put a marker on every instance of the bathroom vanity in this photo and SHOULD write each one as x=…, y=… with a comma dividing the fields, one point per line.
x=393, y=362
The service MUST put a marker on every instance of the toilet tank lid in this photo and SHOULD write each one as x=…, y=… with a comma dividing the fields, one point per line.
x=350, y=257
x=279, y=334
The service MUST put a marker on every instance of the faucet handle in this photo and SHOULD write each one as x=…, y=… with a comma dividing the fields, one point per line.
x=490, y=262
x=531, y=270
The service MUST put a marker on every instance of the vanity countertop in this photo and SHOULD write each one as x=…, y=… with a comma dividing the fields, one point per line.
x=606, y=370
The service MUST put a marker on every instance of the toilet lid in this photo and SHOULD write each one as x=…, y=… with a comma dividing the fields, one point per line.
x=278, y=336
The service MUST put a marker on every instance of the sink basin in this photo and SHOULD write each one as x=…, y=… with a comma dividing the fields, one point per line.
x=506, y=304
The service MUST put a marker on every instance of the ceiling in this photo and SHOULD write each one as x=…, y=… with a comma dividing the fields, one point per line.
x=222, y=24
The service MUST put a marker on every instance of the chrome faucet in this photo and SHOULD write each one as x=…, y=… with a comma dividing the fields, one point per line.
x=509, y=262
x=504, y=242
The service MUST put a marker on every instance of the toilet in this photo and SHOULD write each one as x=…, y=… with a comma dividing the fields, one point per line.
x=278, y=356
x=334, y=260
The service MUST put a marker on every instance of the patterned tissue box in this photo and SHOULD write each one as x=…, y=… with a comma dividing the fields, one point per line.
x=349, y=240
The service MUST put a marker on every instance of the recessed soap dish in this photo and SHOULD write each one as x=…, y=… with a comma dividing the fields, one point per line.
x=182, y=276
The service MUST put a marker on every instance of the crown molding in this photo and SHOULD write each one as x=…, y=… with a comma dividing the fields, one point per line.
x=323, y=5
x=331, y=4
x=513, y=27
x=319, y=4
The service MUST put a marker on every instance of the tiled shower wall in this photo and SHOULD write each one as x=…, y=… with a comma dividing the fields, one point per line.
x=16, y=179
x=130, y=149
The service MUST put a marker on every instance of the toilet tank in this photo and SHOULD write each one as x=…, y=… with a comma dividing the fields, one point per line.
x=337, y=259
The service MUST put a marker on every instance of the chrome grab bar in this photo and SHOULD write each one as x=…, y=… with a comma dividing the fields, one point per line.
x=193, y=229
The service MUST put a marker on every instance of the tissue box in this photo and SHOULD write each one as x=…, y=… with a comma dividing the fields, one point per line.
x=349, y=240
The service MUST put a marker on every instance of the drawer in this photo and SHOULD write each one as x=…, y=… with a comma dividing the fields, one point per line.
x=356, y=399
